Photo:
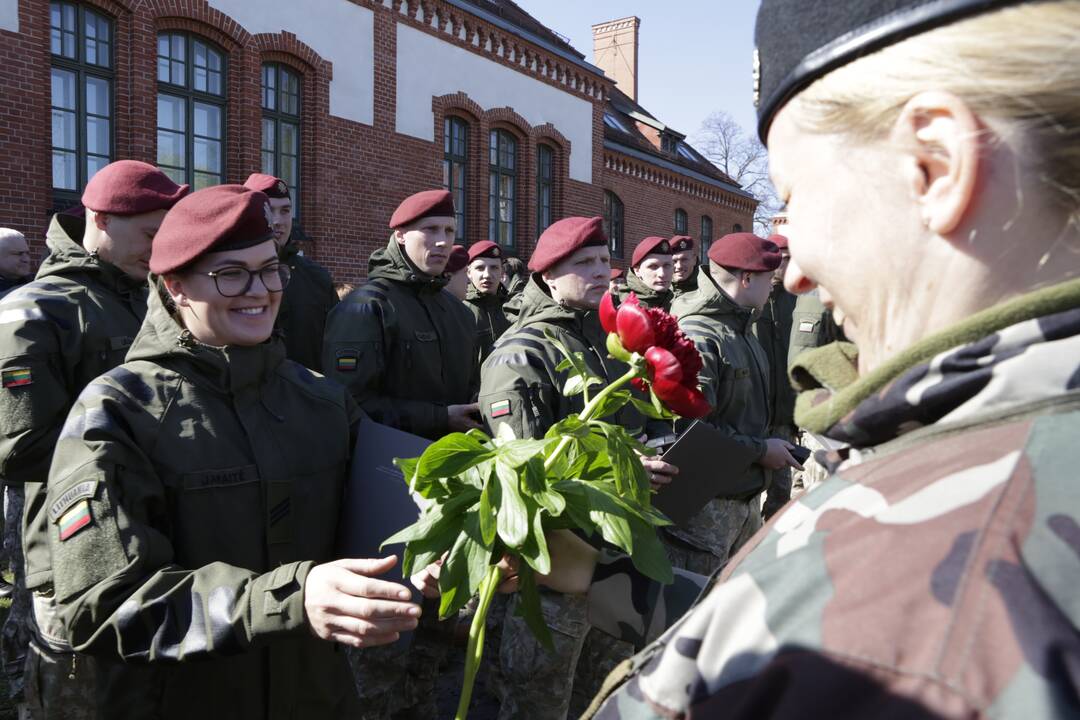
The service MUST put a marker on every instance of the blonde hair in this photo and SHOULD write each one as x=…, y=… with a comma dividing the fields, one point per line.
x=1018, y=68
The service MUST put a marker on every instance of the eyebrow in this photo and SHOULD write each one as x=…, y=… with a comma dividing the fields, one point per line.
x=233, y=262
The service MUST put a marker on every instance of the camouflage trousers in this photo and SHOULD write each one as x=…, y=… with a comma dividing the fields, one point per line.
x=779, y=490
x=59, y=686
x=719, y=529
x=685, y=556
x=536, y=684
x=15, y=635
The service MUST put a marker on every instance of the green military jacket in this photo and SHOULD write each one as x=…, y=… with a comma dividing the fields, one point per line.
x=812, y=326
x=688, y=285
x=307, y=302
x=520, y=385
x=491, y=321
x=645, y=294
x=735, y=376
x=57, y=333
x=192, y=490
x=405, y=348
x=773, y=331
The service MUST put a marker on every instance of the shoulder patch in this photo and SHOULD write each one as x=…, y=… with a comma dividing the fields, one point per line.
x=347, y=361
x=81, y=491
x=499, y=409
x=75, y=520
x=17, y=377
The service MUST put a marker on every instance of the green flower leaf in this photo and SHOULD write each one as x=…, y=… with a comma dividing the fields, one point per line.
x=528, y=607
x=464, y=568
x=452, y=455
x=649, y=555
x=513, y=518
x=577, y=384
x=518, y=452
x=612, y=403
x=650, y=411
x=571, y=426
x=435, y=518
x=490, y=500
x=533, y=480
x=551, y=501
x=535, y=550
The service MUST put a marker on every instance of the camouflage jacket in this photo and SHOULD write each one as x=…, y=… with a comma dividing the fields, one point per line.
x=404, y=347
x=645, y=294
x=773, y=331
x=491, y=321
x=933, y=575
x=192, y=490
x=519, y=383
x=57, y=333
x=307, y=302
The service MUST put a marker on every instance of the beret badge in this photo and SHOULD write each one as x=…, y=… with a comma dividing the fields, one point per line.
x=269, y=215
x=757, y=78
x=281, y=187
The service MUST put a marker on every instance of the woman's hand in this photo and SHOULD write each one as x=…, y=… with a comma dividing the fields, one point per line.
x=344, y=603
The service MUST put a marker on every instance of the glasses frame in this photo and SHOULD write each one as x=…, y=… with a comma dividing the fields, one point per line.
x=251, y=274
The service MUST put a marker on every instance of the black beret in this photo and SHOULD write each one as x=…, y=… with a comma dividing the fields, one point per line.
x=798, y=41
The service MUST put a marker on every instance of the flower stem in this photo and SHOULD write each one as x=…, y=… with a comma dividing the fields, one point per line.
x=475, y=649
x=586, y=414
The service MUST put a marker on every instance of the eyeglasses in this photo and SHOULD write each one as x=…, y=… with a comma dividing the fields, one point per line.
x=236, y=281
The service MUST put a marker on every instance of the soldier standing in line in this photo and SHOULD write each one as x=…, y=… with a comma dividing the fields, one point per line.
x=650, y=274
x=457, y=283
x=521, y=388
x=684, y=260
x=617, y=282
x=57, y=333
x=486, y=294
x=735, y=379
x=773, y=331
x=406, y=351
x=14, y=261
x=310, y=296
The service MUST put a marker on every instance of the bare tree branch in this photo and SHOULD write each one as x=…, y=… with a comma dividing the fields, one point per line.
x=744, y=159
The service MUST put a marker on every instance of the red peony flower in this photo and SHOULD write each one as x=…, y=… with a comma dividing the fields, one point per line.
x=672, y=361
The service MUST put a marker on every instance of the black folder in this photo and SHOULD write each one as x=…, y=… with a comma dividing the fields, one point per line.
x=711, y=464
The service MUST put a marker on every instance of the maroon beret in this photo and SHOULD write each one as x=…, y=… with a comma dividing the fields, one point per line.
x=652, y=245
x=616, y=273
x=779, y=241
x=223, y=217
x=485, y=249
x=681, y=243
x=130, y=187
x=565, y=237
x=268, y=185
x=429, y=203
x=745, y=251
x=459, y=259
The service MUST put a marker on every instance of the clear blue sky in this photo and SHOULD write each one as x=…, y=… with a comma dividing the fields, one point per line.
x=694, y=56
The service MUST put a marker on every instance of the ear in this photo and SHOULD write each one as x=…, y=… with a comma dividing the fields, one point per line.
x=174, y=285
x=746, y=279
x=942, y=135
x=400, y=237
x=101, y=221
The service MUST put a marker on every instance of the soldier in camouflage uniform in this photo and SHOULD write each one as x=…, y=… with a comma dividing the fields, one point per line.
x=522, y=389
x=934, y=575
x=684, y=264
x=650, y=274
x=57, y=333
x=486, y=295
x=773, y=331
x=406, y=351
x=735, y=379
x=310, y=296
x=194, y=498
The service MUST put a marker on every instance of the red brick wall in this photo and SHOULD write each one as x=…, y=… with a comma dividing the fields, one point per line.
x=352, y=175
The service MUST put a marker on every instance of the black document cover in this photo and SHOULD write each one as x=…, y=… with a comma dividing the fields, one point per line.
x=711, y=465
x=377, y=500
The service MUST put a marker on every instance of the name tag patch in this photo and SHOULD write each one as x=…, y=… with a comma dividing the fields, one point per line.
x=75, y=520
x=16, y=377
x=82, y=491
x=499, y=409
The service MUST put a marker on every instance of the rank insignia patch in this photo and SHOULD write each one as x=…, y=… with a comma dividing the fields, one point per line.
x=16, y=377
x=75, y=519
x=499, y=409
x=346, y=363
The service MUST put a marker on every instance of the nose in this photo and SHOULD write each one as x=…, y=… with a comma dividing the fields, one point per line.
x=796, y=281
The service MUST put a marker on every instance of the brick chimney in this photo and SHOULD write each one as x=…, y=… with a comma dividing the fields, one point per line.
x=615, y=46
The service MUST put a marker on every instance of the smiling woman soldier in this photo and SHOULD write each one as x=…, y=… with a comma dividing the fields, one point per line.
x=929, y=155
x=195, y=491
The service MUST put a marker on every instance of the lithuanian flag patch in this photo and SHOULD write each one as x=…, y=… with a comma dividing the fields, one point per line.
x=16, y=377
x=346, y=363
x=75, y=519
x=499, y=409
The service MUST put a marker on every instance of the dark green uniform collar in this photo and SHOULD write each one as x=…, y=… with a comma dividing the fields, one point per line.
x=67, y=256
x=485, y=300
x=645, y=294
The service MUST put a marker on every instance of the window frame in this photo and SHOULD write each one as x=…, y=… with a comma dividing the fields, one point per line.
x=706, y=237
x=614, y=217
x=497, y=172
x=83, y=72
x=191, y=96
x=278, y=116
x=452, y=159
x=682, y=222
x=545, y=185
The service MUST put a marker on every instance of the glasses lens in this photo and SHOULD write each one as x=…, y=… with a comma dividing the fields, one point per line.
x=232, y=281
x=275, y=277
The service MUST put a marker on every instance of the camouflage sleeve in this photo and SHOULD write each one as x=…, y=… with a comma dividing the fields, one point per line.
x=716, y=384
x=36, y=388
x=120, y=589
x=629, y=606
x=359, y=333
x=516, y=388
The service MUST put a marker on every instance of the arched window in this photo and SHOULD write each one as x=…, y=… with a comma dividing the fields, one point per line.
x=81, y=43
x=455, y=162
x=502, y=204
x=681, y=222
x=706, y=236
x=613, y=223
x=191, y=110
x=281, y=127
x=545, y=182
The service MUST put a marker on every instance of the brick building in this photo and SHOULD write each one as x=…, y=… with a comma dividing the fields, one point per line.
x=356, y=103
